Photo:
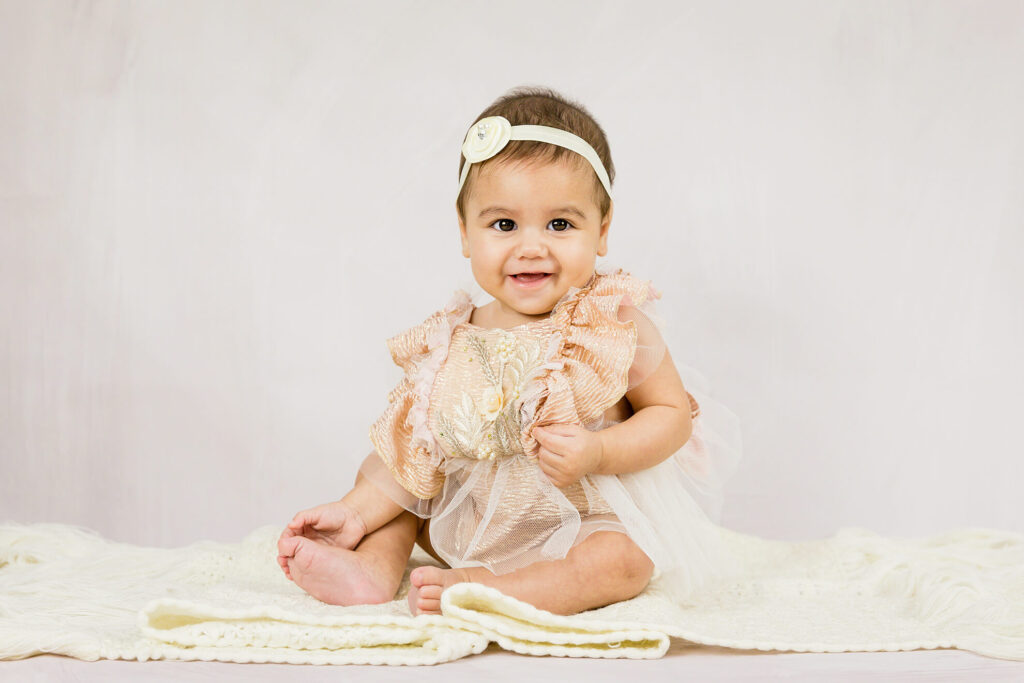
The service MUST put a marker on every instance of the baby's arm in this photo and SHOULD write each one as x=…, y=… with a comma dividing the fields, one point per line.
x=660, y=425
x=373, y=507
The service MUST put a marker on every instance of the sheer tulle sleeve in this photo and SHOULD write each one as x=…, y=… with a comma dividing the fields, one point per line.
x=650, y=345
x=378, y=474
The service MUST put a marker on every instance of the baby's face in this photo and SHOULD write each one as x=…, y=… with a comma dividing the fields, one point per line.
x=533, y=218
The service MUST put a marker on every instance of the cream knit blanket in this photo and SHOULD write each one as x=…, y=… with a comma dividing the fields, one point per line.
x=66, y=590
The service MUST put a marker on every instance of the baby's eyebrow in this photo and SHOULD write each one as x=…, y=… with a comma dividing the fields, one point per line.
x=499, y=209
x=570, y=209
x=493, y=209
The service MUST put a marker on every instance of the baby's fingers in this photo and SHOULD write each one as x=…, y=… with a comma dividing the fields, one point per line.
x=283, y=561
x=304, y=519
x=548, y=457
x=552, y=474
x=299, y=520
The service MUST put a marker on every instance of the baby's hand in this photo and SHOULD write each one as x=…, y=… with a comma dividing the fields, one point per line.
x=337, y=524
x=568, y=452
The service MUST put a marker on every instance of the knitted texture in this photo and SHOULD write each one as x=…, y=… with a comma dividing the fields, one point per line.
x=66, y=590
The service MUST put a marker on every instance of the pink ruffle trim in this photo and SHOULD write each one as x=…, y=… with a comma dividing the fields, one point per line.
x=437, y=339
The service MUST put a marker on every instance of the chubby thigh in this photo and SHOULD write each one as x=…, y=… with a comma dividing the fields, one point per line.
x=608, y=565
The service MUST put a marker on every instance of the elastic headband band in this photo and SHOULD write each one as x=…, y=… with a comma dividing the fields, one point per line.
x=491, y=133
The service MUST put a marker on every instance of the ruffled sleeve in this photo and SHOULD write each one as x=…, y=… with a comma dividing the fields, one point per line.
x=401, y=436
x=607, y=342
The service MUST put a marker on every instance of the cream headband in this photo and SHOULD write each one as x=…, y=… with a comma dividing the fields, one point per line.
x=491, y=133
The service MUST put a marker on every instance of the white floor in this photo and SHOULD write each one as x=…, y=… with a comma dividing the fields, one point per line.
x=684, y=662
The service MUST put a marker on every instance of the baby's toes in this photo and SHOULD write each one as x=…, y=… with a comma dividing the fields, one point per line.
x=431, y=593
x=430, y=600
x=427, y=575
x=416, y=577
x=283, y=561
x=286, y=545
x=428, y=606
x=414, y=600
x=305, y=555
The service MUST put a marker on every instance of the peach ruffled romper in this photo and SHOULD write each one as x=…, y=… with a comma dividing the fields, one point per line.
x=455, y=443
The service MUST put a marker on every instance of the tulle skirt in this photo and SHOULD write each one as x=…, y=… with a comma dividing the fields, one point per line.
x=505, y=514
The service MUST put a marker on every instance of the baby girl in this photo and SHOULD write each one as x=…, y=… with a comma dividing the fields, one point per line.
x=543, y=443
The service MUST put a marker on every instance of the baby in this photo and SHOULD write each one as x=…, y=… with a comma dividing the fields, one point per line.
x=542, y=444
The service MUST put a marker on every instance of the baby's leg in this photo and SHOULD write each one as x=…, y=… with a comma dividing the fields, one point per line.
x=368, y=575
x=606, y=567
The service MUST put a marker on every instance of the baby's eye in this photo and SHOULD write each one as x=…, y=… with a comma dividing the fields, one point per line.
x=500, y=221
x=559, y=221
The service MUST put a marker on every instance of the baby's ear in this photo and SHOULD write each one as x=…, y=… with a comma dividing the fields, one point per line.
x=463, y=238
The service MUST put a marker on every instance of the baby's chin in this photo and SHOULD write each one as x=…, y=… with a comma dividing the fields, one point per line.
x=538, y=309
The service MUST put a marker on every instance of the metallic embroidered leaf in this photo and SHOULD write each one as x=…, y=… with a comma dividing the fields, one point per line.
x=449, y=431
x=485, y=359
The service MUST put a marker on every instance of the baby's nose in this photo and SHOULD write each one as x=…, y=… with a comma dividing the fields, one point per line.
x=531, y=246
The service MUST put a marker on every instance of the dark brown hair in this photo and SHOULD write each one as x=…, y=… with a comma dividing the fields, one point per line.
x=543, y=107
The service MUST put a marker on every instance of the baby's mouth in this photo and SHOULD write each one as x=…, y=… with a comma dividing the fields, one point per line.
x=530, y=277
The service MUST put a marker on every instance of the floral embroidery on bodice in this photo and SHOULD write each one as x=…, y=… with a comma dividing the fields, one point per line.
x=475, y=406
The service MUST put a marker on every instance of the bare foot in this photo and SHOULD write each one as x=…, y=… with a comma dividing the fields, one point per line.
x=335, y=575
x=616, y=569
x=427, y=584
x=337, y=524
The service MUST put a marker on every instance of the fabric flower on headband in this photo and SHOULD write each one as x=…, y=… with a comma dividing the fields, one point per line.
x=488, y=137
